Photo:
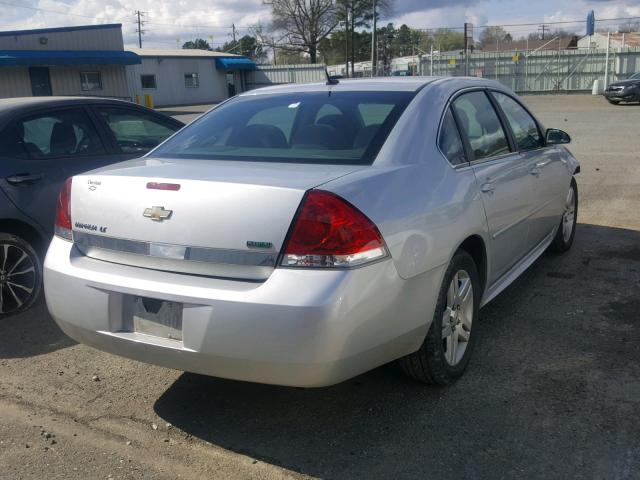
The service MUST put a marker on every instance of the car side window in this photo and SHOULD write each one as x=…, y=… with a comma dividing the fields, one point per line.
x=449, y=140
x=67, y=133
x=481, y=124
x=524, y=127
x=135, y=132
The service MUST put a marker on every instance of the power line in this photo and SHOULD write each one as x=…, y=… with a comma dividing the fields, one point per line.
x=57, y=12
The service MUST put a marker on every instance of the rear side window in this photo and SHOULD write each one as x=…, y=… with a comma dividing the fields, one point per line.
x=524, y=127
x=135, y=132
x=480, y=123
x=68, y=133
x=305, y=127
x=449, y=140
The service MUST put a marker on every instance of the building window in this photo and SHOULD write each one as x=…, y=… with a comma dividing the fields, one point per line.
x=148, y=81
x=191, y=80
x=91, y=81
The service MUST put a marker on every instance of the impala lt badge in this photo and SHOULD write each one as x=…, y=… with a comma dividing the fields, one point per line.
x=157, y=214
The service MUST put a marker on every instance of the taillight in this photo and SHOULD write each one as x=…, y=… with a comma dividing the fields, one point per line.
x=330, y=232
x=63, y=212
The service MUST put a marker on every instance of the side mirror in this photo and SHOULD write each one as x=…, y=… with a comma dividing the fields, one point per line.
x=557, y=137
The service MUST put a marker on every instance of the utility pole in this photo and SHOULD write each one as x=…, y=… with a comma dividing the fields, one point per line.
x=233, y=32
x=373, y=41
x=543, y=28
x=140, y=23
x=346, y=40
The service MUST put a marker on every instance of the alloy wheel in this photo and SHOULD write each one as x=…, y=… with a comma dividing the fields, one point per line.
x=457, y=318
x=18, y=278
x=568, y=217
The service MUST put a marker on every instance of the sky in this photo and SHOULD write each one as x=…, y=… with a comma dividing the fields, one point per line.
x=171, y=23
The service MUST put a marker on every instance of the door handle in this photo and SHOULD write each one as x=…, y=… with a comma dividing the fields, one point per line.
x=488, y=187
x=24, y=178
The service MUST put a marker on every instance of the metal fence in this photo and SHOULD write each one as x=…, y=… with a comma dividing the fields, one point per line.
x=538, y=71
x=266, y=75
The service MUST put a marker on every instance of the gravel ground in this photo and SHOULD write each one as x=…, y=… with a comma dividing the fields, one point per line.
x=552, y=391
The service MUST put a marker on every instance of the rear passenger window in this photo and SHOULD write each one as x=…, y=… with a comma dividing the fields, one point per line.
x=480, y=123
x=525, y=129
x=67, y=133
x=449, y=140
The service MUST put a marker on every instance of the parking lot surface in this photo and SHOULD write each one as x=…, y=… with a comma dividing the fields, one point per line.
x=552, y=391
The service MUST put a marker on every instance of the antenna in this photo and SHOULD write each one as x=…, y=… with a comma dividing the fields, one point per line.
x=330, y=80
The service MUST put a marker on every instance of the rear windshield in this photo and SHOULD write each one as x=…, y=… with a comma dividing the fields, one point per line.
x=307, y=127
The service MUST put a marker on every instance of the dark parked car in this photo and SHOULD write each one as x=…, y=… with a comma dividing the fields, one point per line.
x=43, y=141
x=624, y=90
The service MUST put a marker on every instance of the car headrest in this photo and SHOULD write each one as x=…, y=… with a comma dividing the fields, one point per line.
x=63, y=139
x=258, y=135
x=365, y=135
x=315, y=136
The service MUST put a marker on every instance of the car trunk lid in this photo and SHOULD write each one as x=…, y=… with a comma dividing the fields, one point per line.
x=215, y=218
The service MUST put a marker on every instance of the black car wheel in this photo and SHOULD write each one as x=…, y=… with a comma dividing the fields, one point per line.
x=613, y=101
x=20, y=274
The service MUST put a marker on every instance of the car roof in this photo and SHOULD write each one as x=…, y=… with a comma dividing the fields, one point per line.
x=21, y=102
x=388, y=84
x=10, y=107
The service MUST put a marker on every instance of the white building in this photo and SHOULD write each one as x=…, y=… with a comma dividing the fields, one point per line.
x=87, y=60
x=618, y=40
x=183, y=77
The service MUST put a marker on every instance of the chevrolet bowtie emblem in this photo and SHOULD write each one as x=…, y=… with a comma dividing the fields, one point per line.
x=157, y=214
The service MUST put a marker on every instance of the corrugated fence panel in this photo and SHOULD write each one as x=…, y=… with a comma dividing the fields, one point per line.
x=541, y=71
x=266, y=75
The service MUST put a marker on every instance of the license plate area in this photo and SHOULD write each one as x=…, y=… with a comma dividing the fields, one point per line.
x=158, y=318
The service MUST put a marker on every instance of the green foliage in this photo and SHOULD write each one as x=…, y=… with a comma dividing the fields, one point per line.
x=247, y=46
x=197, y=44
x=492, y=35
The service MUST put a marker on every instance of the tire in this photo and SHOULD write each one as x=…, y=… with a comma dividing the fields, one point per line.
x=564, y=237
x=613, y=102
x=433, y=362
x=20, y=275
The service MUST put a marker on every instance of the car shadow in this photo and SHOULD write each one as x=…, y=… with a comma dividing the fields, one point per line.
x=31, y=333
x=543, y=395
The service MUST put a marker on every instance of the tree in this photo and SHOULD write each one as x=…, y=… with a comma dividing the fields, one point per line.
x=355, y=14
x=247, y=46
x=492, y=35
x=197, y=44
x=445, y=40
x=303, y=23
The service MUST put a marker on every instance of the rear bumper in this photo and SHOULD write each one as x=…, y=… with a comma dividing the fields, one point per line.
x=299, y=327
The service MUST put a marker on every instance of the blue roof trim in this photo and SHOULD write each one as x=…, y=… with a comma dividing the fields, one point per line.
x=235, y=63
x=67, y=57
x=59, y=29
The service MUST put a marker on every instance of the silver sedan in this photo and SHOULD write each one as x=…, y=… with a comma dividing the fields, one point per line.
x=304, y=234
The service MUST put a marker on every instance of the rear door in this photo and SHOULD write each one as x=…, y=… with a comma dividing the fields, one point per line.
x=133, y=132
x=48, y=147
x=503, y=178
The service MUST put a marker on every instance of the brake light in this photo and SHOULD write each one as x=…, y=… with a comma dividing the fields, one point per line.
x=63, y=212
x=330, y=232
